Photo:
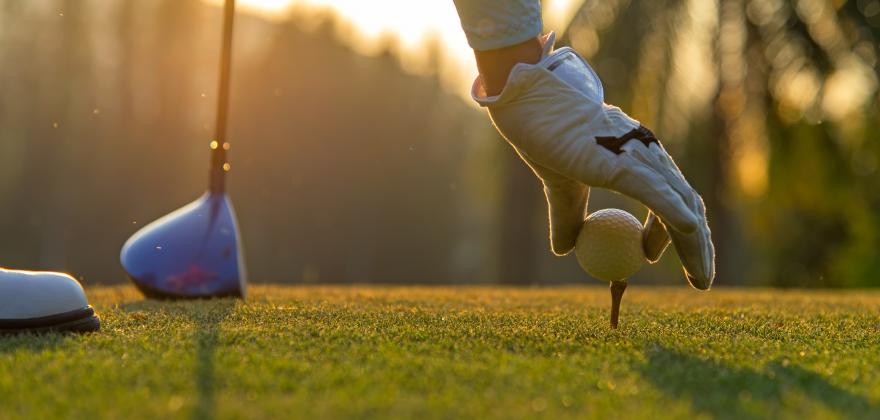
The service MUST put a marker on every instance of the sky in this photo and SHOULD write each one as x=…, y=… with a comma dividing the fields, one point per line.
x=367, y=25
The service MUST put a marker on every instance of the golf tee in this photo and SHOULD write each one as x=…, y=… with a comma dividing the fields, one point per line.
x=617, y=289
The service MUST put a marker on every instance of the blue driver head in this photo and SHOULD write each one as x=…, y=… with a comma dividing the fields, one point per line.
x=193, y=252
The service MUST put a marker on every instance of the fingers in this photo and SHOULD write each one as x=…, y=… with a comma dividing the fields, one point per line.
x=655, y=238
x=566, y=204
x=671, y=197
x=697, y=255
x=646, y=185
x=695, y=249
x=699, y=259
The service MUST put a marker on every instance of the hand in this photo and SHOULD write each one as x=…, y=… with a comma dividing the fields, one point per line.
x=554, y=115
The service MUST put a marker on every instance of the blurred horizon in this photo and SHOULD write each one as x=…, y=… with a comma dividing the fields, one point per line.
x=357, y=155
x=428, y=41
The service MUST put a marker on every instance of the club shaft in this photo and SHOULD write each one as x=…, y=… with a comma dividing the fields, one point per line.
x=218, y=154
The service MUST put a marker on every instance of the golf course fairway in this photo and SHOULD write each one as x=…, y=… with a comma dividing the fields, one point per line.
x=468, y=352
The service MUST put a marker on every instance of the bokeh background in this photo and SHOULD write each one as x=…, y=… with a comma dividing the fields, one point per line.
x=357, y=156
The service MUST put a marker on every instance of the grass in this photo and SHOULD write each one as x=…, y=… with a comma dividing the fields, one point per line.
x=316, y=352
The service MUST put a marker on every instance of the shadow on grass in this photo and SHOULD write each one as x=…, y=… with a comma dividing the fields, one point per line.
x=35, y=343
x=724, y=391
x=207, y=317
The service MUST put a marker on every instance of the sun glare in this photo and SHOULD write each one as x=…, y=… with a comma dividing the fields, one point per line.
x=413, y=27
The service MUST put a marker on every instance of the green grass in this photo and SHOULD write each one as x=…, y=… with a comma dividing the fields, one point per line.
x=381, y=352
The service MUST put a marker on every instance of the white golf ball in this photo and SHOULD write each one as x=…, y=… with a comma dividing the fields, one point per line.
x=609, y=246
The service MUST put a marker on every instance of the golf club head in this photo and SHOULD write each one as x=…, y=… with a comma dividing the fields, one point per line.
x=192, y=253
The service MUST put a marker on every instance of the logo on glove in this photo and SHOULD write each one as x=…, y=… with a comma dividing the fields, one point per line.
x=614, y=144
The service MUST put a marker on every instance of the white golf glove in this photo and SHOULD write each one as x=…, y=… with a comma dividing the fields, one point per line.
x=553, y=113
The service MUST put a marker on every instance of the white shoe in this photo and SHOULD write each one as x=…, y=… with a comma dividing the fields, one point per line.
x=43, y=301
x=555, y=116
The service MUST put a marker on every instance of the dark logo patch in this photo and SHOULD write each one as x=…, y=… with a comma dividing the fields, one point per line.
x=614, y=144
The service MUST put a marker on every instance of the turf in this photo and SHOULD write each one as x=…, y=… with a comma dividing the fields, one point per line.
x=377, y=352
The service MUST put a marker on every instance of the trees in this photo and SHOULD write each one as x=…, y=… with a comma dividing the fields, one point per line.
x=344, y=168
x=772, y=105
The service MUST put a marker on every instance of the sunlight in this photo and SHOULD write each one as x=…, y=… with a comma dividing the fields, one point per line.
x=271, y=9
x=412, y=27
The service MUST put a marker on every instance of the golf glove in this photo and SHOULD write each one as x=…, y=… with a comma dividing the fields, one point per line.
x=554, y=115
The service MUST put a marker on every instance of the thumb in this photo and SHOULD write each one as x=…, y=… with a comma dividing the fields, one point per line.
x=655, y=238
x=567, y=205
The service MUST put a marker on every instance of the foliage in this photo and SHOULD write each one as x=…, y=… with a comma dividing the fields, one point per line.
x=773, y=106
x=347, y=169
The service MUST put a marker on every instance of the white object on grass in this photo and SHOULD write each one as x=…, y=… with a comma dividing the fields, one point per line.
x=41, y=301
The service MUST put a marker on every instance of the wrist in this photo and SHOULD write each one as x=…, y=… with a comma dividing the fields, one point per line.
x=495, y=65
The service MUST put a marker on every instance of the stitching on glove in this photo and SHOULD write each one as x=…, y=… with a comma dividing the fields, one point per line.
x=614, y=144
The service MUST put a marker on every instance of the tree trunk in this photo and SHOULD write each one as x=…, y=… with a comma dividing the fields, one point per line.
x=519, y=212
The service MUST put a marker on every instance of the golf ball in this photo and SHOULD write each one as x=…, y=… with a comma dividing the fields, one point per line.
x=609, y=246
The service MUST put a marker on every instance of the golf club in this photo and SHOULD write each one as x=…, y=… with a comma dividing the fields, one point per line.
x=195, y=252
